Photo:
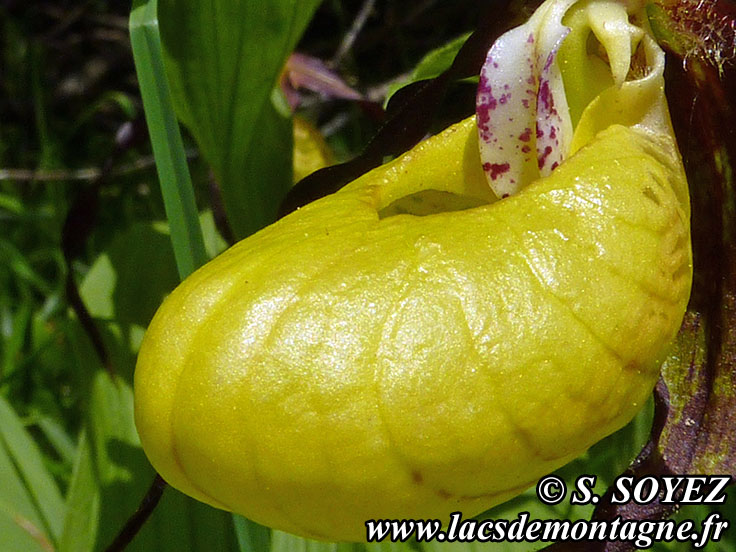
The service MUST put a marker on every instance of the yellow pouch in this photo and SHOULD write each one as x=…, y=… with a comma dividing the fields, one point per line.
x=350, y=362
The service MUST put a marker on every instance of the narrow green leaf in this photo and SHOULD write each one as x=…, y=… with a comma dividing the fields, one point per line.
x=212, y=529
x=13, y=328
x=435, y=546
x=57, y=436
x=122, y=471
x=12, y=204
x=82, y=503
x=11, y=256
x=388, y=546
x=179, y=523
x=128, y=281
x=252, y=537
x=112, y=426
x=431, y=65
x=20, y=519
x=286, y=542
x=223, y=60
x=111, y=97
x=168, y=149
x=18, y=534
x=352, y=547
x=27, y=458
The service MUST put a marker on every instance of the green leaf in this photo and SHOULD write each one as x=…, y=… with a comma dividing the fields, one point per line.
x=180, y=523
x=435, y=546
x=269, y=172
x=12, y=204
x=18, y=534
x=124, y=475
x=21, y=523
x=130, y=279
x=82, y=503
x=388, y=546
x=213, y=241
x=252, y=537
x=58, y=438
x=43, y=501
x=120, y=467
x=11, y=256
x=168, y=149
x=223, y=60
x=431, y=65
x=13, y=328
x=112, y=427
x=286, y=542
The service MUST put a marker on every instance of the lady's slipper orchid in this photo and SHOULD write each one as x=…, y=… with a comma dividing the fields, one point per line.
x=412, y=345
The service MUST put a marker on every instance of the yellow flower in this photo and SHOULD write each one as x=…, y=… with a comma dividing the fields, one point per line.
x=351, y=362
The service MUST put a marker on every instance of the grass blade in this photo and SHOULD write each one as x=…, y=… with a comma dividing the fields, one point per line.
x=168, y=148
x=251, y=536
x=26, y=457
x=83, y=503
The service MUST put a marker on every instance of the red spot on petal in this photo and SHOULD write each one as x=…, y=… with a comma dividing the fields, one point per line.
x=526, y=135
x=526, y=149
x=496, y=169
x=504, y=196
x=545, y=96
x=543, y=158
x=540, y=132
x=485, y=103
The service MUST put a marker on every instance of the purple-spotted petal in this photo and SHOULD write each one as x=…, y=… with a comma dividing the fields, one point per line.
x=523, y=121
